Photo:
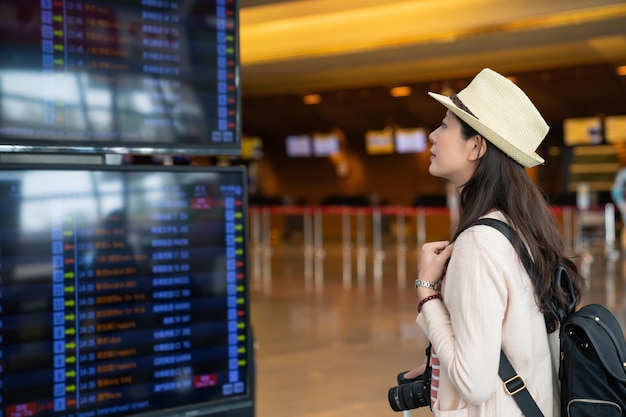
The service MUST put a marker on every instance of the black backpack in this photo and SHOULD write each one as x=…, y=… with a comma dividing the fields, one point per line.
x=593, y=354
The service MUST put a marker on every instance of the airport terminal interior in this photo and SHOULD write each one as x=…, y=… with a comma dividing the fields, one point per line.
x=335, y=240
x=217, y=207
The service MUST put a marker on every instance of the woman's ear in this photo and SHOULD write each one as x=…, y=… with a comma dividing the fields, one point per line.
x=479, y=147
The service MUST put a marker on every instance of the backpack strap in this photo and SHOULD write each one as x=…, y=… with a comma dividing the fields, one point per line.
x=510, y=234
x=562, y=279
x=560, y=276
x=514, y=385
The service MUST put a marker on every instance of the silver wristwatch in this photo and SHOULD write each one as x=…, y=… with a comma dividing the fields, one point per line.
x=433, y=286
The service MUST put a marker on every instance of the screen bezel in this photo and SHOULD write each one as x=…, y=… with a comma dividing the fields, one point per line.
x=16, y=144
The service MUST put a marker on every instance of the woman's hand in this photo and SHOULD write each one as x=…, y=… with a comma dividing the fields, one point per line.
x=433, y=260
x=416, y=372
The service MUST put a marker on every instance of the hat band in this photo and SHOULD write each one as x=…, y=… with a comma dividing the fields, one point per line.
x=457, y=102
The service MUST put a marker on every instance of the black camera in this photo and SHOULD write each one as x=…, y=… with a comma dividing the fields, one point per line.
x=410, y=393
x=414, y=392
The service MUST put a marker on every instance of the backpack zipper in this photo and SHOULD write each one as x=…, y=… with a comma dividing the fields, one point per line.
x=589, y=401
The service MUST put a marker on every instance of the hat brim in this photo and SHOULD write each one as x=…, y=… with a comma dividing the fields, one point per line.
x=528, y=160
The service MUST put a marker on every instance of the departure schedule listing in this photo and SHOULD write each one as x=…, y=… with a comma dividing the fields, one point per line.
x=143, y=307
x=149, y=71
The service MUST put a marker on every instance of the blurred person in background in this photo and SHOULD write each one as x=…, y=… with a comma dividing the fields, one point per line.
x=618, y=195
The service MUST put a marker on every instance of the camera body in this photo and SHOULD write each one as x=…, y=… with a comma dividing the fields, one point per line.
x=410, y=393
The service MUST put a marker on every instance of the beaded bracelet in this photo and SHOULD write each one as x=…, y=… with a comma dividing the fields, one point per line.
x=425, y=300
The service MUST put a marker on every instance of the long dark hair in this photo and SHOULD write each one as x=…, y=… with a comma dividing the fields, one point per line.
x=501, y=183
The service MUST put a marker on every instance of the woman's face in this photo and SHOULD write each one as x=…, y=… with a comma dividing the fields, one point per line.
x=452, y=157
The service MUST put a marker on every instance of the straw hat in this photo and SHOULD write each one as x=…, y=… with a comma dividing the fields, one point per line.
x=502, y=113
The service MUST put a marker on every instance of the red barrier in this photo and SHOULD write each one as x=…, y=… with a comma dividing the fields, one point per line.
x=386, y=210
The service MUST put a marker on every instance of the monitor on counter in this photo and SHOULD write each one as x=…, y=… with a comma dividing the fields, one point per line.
x=130, y=76
x=379, y=142
x=124, y=292
x=251, y=148
x=615, y=128
x=583, y=131
x=298, y=146
x=410, y=140
x=326, y=144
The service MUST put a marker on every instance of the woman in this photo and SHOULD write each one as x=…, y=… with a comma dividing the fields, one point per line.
x=475, y=297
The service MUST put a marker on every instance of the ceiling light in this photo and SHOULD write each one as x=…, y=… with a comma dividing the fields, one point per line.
x=400, y=91
x=312, y=99
x=554, y=150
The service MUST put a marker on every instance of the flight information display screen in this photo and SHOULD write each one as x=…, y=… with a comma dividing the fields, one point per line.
x=123, y=291
x=125, y=76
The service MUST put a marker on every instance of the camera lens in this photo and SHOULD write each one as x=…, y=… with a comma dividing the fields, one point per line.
x=408, y=396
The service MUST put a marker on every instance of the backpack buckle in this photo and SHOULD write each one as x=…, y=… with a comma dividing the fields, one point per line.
x=514, y=385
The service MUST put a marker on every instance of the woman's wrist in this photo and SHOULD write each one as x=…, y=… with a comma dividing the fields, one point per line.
x=435, y=296
x=423, y=292
x=424, y=295
x=435, y=286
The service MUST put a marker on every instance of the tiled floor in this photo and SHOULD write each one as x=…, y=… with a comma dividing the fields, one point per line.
x=331, y=347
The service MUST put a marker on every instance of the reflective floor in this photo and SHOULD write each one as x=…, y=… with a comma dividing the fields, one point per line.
x=334, y=327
